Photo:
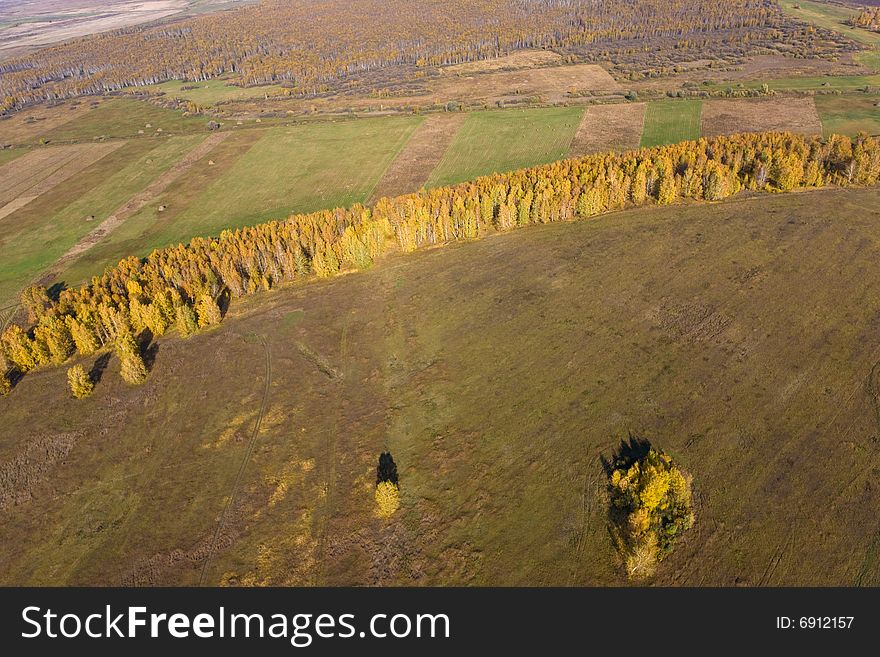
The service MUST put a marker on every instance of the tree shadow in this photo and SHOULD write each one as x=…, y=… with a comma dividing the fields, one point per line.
x=387, y=469
x=98, y=368
x=54, y=291
x=149, y=349
x=628, y=452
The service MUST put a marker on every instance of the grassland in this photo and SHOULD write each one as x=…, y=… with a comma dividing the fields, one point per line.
x=35, y=236
x=668, y=122
x=504, y=140
x=210, y=92
x=125, y=117
x=738, y=337
x=9, y=154
x=830, y=16
x=849, y=115
x=260, y=175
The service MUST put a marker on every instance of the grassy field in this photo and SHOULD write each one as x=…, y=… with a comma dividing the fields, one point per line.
x=830, y=16
x=259, y=175
x=668, y=122
x=505, y=140
x=35, y=236
x=849, y=115
x=841, y=83
x=738, y=337
x=210, y=92
x=7, y=155
x=125, y=117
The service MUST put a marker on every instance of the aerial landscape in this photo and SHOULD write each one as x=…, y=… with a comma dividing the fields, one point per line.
x=421, y=293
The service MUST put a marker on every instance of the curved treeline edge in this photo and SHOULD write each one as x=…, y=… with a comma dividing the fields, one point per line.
x=184, y=286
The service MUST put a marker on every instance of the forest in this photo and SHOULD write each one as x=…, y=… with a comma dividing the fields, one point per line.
x=187, y=287
x=311, y=47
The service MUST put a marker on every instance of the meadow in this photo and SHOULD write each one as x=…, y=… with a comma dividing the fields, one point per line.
x=504, y=140
x=669, y=122
x=849, y=115
x=207, y=93
x=39, y=233
x=258, y=175
x=670, y=324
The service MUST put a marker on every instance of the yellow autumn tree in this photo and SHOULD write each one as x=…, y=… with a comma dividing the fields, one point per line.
x=388, y=498
x=79, y=381
x=131, y=363
x=651, y=506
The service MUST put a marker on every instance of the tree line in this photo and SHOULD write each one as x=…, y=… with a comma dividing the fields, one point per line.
x=185, y=287
x=312, y=46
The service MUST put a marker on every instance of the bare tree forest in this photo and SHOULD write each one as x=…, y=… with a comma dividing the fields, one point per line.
x=310, y=47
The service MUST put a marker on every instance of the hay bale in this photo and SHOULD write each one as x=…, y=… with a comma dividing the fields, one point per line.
x=163, y=207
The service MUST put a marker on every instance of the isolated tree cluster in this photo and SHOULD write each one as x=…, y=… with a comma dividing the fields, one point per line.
x=179, y=287
x=651, y=505
x=387, y=486
x=868, y=18
x=280, y=41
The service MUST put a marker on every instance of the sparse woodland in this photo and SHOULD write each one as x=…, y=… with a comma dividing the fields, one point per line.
x=311, y=47
x=184, y=286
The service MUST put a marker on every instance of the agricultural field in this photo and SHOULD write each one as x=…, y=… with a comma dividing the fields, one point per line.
x=39, y=233
x=725, y=117
x=615, y=127
x=257, y=175
x=670, y=324
x=668, y=122
x=849, y=115
x=124, y=117
x=504, y=140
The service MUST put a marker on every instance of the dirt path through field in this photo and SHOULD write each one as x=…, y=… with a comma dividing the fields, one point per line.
x=615, y=127
x=135, y=203
x=414, y=164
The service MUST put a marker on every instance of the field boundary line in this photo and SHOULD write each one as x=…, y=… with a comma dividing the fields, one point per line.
x=391, y=160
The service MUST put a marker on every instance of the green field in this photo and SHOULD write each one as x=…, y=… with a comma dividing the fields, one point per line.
x=209, y=92
x=738, y=337
x=849, y=115
x=260, y=175
x=9, y=154
x=37, y=235
x=504, y=140
x=124, y=117
x=671, y=121
x=818, y=83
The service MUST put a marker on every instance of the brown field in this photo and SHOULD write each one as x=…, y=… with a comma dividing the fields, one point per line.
x=64, y=22
x=411, y=168
x=44, y=168
x=741, y=338
x=609, y=127
x=517, y=60
x=724, y=117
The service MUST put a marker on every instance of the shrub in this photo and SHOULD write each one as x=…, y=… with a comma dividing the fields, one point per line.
x=388, y=498
x=80, y=383
x=5, y=384
x=651, y=506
